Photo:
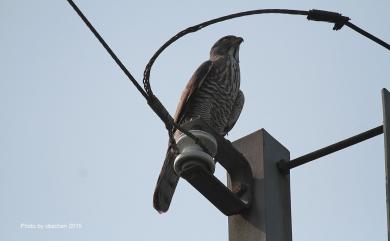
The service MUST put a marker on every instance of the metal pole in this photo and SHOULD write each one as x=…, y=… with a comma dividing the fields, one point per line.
x=386, y=131
x=286, y=166
x=269, y=216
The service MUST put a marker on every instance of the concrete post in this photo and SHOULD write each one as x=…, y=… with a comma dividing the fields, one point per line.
x=269, y=218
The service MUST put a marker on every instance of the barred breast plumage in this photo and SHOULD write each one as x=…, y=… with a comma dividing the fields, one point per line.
x=214, y=100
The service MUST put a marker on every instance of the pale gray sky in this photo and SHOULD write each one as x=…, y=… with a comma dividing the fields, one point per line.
x=79, y=145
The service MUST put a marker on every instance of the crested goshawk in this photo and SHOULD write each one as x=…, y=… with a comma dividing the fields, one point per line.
x=213, y=94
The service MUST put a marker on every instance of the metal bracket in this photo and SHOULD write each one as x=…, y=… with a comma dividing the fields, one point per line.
x=228, y=201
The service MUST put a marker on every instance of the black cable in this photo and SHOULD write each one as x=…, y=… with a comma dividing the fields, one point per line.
x=368, y=35
x=105, y=45
x=314, y=14
x=153, y=101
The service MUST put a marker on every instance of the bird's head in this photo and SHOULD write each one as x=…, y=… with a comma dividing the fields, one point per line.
x=228, y=45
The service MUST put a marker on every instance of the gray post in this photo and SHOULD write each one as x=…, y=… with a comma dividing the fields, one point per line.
x=386, y=132
x=269, y=218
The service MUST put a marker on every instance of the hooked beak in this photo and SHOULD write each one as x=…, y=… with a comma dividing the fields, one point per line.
x=239, y=40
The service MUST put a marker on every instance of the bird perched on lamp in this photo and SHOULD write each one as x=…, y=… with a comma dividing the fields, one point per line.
x=213, y=94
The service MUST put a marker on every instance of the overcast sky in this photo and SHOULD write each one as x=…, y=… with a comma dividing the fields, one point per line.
x=80, y=146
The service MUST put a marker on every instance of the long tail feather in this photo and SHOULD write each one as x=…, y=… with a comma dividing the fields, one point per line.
x=166, y=184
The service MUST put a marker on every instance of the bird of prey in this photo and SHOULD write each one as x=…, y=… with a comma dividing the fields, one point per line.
x=213, y=94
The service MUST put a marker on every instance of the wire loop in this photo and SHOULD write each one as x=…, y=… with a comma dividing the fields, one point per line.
x=155, y=104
